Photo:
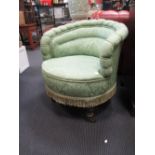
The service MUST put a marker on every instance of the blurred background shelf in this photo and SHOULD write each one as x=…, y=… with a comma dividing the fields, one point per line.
x=44, y=14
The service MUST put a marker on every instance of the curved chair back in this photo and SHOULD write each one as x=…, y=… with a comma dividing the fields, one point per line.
x=94, y=38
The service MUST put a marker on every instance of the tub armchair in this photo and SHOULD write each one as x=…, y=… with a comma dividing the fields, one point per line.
x=80, y=61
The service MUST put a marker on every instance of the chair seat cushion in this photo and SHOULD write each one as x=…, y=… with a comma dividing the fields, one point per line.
x=78, y=67
x=75, y=76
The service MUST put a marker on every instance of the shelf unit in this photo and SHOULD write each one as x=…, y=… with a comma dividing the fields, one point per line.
x=39, y=18
x=31, y=30
x=46, y=15
x=49, y=16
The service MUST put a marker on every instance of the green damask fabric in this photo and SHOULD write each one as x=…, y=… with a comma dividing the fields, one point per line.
x=95, y=44
x=87, y=88
x=77, y=67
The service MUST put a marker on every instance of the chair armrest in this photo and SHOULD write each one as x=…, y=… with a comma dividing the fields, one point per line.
x=106, y=61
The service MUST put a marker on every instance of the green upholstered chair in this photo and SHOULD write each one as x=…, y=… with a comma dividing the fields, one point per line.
x=81, y=60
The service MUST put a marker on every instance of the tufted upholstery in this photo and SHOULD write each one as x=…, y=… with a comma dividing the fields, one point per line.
x=84, y=43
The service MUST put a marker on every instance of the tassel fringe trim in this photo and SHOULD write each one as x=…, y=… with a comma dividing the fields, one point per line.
x=81, y=102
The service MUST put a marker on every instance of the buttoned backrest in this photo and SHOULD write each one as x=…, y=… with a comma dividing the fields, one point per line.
x=94, y=37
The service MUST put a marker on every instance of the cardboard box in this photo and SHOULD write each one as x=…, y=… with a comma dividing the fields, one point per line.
x=23, y=59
